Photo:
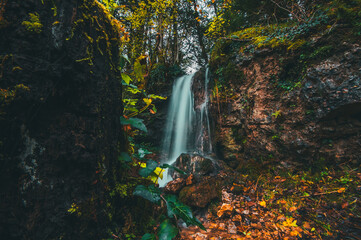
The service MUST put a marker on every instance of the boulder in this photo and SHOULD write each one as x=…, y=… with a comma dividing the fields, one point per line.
x=194, y=164
x=174, y=187
x=202, y=193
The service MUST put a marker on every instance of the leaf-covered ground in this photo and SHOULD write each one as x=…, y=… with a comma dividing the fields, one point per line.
x=283, y=203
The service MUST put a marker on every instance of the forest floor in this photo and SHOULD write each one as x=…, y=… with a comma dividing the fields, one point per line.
x=284, y=203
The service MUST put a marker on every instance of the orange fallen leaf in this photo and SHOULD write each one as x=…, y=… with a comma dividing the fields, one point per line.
x=237, y=218
x=281, y=217
x=341, y=190
x=307, y=225
x=226, y=208
x=295, y=233
x=292, y=209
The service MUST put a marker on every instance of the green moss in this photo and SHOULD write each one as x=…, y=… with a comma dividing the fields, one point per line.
x=33, y=24
x=121, y=190
x=272, y=36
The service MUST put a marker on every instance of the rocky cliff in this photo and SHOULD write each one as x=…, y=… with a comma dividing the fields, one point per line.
x=60, y=135
x=301, y=106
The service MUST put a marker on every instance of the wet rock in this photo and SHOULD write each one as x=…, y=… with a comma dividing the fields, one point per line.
x=175, y=186
x=194, y=164
x=202, y=193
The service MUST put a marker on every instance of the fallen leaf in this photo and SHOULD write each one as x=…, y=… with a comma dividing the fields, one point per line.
x=295, y=233
x=237, y=218
x=262, y=203
x=306, y=225
x=292, y=209
x=256, y=225
x=225, y=209
x=246, y=212
x=341, y=190
x=290, y=222
x=281, y=217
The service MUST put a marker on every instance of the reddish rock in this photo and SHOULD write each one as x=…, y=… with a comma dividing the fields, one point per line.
x=175, y=186
x=202, y=193
x=318, y=118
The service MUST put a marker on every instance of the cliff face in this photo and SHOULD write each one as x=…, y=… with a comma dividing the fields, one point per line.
x=60, y=106
x=303, y=106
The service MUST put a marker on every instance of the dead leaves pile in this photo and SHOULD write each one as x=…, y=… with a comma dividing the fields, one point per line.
x=281, y=205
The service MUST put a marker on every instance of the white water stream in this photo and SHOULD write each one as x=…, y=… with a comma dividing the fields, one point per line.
x=186, y=130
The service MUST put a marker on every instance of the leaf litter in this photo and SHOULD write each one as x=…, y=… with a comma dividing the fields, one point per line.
x=285, y=204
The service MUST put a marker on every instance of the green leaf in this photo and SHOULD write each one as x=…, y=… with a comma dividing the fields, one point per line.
x=150, y=193
x=123, y=59
x=134, y=122
x=142, y=152
x=150, y=167
x=138, y=71
x=154, y=108
x=165, y=165
x=131, y=109
x=126, y=78
x=148, y=236
x=133, y=90
x=175, y=207
x=124, y=157
x=167, y=231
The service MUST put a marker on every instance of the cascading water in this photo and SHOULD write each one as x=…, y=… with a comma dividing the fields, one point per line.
x=203, y=136
x=187, y=129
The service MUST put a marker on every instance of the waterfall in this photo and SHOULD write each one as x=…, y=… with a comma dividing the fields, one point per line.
x=187, y=129
x=203, y=135
x=179, y=121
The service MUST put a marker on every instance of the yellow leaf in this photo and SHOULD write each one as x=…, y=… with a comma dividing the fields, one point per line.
x=262, y=203
x=142, y=165
x=159, y=171
x=148, y=101
x=290, y=222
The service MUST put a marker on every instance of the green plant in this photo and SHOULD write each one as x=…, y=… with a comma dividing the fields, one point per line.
x=151, y=170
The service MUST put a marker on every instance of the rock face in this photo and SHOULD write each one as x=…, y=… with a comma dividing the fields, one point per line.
x=304, y=108
x=194, y=164
x=60, y=135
